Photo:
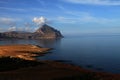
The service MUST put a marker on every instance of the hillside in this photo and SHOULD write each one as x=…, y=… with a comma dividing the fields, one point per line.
x=45, y=31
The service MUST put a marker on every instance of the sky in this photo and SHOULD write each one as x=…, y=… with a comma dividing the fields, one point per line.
x=71, y=17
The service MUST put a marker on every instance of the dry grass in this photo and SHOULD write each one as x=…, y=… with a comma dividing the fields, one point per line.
x=22, y=51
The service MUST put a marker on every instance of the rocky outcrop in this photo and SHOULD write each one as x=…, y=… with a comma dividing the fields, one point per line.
x=44, y=31
x=47, y=32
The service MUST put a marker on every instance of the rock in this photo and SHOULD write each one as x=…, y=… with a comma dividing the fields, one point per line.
x=44, y=31
x=47, y=32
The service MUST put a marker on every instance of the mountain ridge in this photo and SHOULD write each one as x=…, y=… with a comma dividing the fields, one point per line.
x=43, y=32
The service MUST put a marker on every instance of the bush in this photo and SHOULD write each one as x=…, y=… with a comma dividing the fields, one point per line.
x=11, y=63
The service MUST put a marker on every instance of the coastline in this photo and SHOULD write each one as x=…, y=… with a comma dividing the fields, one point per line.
x=50, y=70
x=24, y=51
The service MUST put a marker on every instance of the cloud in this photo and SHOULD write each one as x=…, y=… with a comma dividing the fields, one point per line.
x=14, y=24
x=61, y=7
x=42, y=3
x=73, y=16
x=28, y=27
x=95, y=2
x=39, y=20
x=24, y=10
x=13, y=28
x=86, y=19
x=13, y=9
x=93, y=19
x=8, y=21
x=62, y=19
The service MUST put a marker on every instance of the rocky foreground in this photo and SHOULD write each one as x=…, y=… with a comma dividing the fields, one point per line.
x=26, y=67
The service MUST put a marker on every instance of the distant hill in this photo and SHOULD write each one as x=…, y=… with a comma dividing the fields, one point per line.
x=45, y=31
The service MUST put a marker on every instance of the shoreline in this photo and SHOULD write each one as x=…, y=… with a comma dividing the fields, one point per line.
x=47, y=69
x=24, y=51
x=51, y=70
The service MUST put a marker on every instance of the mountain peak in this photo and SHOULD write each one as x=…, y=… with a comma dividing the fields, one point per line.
x=48, y=31
x=45, y=28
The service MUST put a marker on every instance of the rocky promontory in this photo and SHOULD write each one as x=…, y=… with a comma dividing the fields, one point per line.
x=44, y=32
x=24, y=51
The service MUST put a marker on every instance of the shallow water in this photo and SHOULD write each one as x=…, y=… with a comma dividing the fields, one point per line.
x=92, y=52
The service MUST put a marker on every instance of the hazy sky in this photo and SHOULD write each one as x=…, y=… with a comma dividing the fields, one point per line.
x=68, y=16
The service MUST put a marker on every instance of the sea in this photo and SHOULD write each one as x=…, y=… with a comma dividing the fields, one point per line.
x=92, y=52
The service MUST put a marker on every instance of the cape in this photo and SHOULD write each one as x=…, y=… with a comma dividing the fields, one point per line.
x=44, y=32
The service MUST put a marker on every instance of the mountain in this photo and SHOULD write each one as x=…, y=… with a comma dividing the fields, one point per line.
x=45, y=31
x=17, y=34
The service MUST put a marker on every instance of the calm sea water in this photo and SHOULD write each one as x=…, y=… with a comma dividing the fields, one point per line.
x=101, y=53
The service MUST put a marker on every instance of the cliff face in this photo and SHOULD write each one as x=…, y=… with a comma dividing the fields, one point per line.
x=44, y=31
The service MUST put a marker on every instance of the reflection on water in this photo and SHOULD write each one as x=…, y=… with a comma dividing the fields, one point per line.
x=92, y=52
x=50, y=43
